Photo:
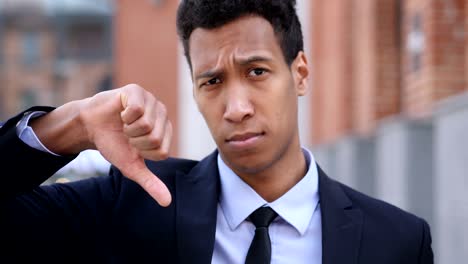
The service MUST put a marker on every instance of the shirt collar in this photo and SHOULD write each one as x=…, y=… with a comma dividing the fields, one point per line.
x=297, y=206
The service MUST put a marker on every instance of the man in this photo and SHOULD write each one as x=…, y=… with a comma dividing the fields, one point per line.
x=248, y=69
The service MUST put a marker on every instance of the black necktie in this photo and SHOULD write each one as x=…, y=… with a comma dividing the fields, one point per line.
x=260, y=249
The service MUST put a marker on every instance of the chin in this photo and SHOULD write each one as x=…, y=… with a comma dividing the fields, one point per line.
x=249, y=167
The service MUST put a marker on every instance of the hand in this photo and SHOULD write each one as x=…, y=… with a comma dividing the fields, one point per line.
x=128, y=125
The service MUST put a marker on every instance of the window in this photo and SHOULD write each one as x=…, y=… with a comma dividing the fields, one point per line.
x=28, y=98
x=105, y=84
x=85, y=41
x=416, y=43
x=31, y=48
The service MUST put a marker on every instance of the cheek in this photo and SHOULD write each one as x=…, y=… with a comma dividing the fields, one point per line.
x=285, y=112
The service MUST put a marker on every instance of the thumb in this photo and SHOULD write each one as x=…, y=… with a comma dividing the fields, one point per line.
x=123, y=100
x=139, y=173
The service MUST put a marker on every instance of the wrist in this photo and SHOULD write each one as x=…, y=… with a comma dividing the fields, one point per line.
x=62, y=131
x=80, y=121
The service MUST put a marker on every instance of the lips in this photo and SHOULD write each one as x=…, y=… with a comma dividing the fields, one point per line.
x=243, y=136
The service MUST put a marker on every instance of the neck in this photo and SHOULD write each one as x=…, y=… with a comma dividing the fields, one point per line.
x=274, y=181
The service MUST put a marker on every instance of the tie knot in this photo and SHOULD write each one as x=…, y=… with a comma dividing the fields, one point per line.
x=262, y=217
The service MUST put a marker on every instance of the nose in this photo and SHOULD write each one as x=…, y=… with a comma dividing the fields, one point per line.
x=238, y=104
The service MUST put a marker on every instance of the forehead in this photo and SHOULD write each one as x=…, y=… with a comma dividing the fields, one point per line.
x=244, y=37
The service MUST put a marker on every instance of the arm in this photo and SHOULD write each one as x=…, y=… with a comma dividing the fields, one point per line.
x=127, y=125
x=35, y=220
x=58, y=220
x=24, y=168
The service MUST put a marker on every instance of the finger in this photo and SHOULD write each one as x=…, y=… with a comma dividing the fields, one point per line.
x=133, y=102
x=152, y=140
x=144, y=125
x=149, y=182
x=123, y=100
x=166, y=144
x=163, y=151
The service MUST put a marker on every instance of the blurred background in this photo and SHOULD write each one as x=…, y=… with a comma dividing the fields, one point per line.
x=387, y=111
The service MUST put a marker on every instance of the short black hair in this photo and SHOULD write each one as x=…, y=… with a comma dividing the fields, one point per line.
x=210, y=14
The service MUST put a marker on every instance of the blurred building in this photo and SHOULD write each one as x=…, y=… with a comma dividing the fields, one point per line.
x=52, y=52
x=389, y=107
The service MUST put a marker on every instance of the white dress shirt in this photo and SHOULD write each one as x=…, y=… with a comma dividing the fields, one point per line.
x=296, y=234
x=27, y=135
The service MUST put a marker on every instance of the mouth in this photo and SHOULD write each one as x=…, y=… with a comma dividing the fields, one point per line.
x=244, y=140
x=244, y=137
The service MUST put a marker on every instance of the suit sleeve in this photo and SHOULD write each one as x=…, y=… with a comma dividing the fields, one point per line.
x=59, y=219
x=426, y=255
x=43, y=220
x=23, y=167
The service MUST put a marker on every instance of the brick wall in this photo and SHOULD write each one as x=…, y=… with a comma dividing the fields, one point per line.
x=146, y=49
x=376, y=64
x=466, y=43
x=19, y=77
x=331, y=69
x=441, y=73
x=387, y=97
x=374, y=59
x=78, y=79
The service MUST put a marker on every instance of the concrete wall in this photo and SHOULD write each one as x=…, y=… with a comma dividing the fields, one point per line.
x=404, y=165
x=420, y=165
x=451, y=180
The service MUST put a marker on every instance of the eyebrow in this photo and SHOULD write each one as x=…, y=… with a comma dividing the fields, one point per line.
x=253, y=59
x=242, y=62
x=208, y=74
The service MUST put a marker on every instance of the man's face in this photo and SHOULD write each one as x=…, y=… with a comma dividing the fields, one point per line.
x=246, y=92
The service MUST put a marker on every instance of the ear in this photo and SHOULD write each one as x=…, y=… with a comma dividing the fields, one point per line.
x=300, y=72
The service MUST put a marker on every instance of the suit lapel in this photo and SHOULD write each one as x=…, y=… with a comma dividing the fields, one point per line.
x=196, y=207
x=341, y=223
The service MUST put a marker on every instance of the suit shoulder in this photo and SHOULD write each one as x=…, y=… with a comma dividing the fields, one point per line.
x=385, y=223
x=168, y=166
x=171, y=165
x=166, y=170
x=378, y=210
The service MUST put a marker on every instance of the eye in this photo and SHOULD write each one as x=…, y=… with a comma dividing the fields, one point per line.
x=211, y=82
x=257, y=72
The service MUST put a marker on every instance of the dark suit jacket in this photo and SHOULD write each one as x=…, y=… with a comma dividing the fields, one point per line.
x=112, y=220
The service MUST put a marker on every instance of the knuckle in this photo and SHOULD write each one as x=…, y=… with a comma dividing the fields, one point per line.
x=145, y=126
x=135, y=109
x=150, y=99
x=154, y=155
x=133, y=86
x=162, y=108
x=169, y=127
x=163, y=154
x=149, y=95
x=155, y=141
